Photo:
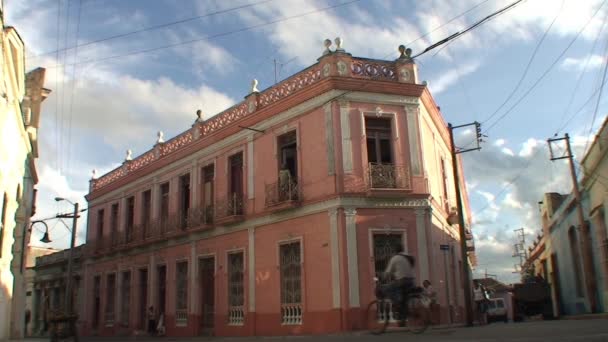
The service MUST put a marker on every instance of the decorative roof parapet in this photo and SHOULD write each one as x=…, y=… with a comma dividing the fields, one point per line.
x=341, y=64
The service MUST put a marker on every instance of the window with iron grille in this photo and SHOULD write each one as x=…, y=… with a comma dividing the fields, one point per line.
x=291, y=282
x=181, y=295
x=385, y=246
x=126, y=298
x=236, y=291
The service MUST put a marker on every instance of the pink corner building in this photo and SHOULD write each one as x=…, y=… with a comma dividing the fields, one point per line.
x=273, y=216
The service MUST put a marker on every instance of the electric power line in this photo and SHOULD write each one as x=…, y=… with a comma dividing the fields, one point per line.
x=599, y=96
x=546, y=72
x=151, y=28
x=218, y=35
x=584, y=70
x=470, y=28
x=523, y=169
x=527, y=68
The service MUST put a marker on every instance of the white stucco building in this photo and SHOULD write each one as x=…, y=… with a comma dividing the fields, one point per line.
x=20, y=97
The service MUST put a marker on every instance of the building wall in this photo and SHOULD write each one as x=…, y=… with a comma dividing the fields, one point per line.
x=337, y=218
x=14, y=149
x=32, y=304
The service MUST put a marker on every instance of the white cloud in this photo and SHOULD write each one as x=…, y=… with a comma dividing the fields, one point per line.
x=578, y=64
x=298, y=37
x=500, y=142
x=53, y=184
x=507, y=151
x=445, y=80
x=487, y=195
x=511, y=202
x=529, y=146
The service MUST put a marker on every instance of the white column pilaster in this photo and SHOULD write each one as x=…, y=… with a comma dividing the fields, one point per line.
x=352, y=257
x=347, y=145
x=423, y=253
x=412, y=133
x=194, y=185
x=329, y=139
x=155, y=201
x=250, y=168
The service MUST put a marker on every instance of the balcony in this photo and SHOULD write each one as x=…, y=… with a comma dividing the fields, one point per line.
x=283, y=194
x=386, y=178
x=230, y=209
x=200, y=217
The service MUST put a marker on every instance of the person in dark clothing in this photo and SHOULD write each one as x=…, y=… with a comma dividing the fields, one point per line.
x=151, y=321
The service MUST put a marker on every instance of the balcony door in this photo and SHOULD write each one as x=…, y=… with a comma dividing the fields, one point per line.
x=379, y=147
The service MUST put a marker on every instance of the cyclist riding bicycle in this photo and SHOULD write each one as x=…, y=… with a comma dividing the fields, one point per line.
x=401, y=269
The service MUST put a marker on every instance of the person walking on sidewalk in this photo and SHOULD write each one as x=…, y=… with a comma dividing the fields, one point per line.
x=481, y=303
x=151, y=320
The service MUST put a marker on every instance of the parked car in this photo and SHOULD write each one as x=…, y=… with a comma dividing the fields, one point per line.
x=497, y=310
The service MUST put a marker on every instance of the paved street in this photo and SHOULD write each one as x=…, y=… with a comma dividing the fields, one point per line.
x=554, y=331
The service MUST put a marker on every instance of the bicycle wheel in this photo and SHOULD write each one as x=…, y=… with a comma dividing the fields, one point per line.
x=418, y=316
x=378, y=314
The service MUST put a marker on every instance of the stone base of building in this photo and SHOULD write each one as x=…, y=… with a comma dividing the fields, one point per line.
x=269, y=324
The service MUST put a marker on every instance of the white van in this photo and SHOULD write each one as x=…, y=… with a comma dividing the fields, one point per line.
x=497, y=310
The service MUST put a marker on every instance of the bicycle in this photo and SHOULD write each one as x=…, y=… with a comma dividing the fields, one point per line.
x=382, y=311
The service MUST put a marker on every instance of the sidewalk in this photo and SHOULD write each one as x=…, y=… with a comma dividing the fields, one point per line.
x=602, y=315
x=248, y=338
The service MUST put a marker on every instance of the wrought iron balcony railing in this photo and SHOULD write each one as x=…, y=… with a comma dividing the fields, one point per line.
x=388, y=176
x=230, y=206
x=282, y=192
x=200, y=216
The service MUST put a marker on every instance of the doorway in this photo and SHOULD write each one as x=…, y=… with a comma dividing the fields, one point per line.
x=162, y=289
x=143, y=298
x=207, y=293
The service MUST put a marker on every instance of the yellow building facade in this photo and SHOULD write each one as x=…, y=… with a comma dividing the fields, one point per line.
x=20, y=97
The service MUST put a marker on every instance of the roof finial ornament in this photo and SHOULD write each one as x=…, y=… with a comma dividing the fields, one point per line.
x=199, y=116
x=327, y=44
x=254, y=86
x=405, y=53
x=129, y=155
x=160, y=136
x=94, y=174
x=339, y=43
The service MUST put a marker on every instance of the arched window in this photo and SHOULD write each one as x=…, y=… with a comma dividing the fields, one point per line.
x=576, y=260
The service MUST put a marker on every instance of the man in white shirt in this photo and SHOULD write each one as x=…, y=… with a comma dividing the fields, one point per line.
x=401, y=268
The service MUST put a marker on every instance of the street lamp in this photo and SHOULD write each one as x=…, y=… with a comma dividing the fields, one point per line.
x=68, y=297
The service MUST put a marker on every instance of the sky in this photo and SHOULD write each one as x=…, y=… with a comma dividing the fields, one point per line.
x=530, y=74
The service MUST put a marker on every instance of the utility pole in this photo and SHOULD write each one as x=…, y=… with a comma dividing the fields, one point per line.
x=461, y=228
x=520, y=247
x=69, y=281
x=585, y=241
